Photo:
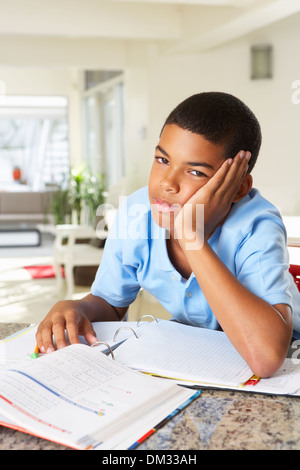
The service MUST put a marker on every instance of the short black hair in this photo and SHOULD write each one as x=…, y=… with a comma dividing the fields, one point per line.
x=220, y=118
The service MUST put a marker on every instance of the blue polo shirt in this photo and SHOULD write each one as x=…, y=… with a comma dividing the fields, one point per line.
x=251, y=243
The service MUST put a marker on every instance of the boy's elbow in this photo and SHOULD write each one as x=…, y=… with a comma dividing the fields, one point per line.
x=265, y=365
x=266, y=369
x=266, y=357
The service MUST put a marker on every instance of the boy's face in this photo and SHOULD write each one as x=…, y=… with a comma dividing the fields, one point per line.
x=183, y=163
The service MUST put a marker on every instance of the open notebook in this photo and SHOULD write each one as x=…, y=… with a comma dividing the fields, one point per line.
x=81, y=398
x=185, y=354
x=201, y=357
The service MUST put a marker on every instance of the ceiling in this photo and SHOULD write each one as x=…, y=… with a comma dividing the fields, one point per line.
x=181, y=26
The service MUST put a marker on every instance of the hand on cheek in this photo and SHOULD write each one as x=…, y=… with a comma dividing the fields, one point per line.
x=208, y=207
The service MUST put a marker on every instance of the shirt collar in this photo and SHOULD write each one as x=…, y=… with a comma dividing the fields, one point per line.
x=162, y=261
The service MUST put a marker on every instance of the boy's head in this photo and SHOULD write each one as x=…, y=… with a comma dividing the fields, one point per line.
x=221, y=119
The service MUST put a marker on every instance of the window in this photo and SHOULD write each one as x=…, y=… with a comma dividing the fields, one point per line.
x=34, y=138
x=104, y=124
x=261, y=62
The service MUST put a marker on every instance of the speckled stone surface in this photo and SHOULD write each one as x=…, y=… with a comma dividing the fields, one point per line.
x=217, y=420
x=220, y=420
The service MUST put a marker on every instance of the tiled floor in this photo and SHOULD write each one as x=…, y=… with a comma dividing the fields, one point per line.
x=21, y=298
x=24, y=300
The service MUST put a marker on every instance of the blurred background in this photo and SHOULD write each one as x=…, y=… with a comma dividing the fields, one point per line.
x=85, y=87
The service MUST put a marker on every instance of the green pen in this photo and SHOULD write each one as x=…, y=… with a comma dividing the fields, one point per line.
x=35, y=353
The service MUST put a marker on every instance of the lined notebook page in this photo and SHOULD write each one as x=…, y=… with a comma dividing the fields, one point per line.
x=185, y=352
x=285, y=381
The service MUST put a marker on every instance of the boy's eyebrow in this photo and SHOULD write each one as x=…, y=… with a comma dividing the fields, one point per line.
x=158, y=147
x=206, y=165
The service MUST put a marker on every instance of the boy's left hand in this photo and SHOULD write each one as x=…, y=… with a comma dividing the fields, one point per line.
x=216, y=196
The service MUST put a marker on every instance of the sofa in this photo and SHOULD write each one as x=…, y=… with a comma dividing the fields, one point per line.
x=21, y=207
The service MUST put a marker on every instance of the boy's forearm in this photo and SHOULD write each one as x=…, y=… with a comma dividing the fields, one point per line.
x=98, y=309
x=256, y=329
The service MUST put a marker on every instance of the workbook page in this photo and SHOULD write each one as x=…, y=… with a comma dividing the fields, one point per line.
x=71, y=394
x=185, y=353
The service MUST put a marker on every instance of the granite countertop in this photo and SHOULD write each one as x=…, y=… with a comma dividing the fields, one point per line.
x=217, y=420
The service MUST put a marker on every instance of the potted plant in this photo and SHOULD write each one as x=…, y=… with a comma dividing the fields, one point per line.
x=86, y=193
x=93, y=195
x=82, y=194
x=61, y=207
x=75, y=192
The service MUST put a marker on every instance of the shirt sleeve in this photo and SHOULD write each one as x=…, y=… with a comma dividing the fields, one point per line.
x=116, y=282
x=262, y=262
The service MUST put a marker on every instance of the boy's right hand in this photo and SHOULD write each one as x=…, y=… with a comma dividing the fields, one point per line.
x=217, y=197
x=66, y=315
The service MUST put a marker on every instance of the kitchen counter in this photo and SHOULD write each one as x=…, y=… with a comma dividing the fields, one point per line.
x=217, y=420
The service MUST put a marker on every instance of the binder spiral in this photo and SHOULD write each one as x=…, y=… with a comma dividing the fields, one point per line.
x=109, y=348
x=144, y=316
x=106, y=344
x=124, y=328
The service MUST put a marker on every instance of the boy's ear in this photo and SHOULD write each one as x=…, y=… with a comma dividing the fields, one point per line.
x=245, y=188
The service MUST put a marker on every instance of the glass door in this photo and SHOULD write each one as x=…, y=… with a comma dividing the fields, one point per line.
x=104, y=131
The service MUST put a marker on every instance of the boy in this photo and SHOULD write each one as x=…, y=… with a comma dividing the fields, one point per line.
x=227, y=270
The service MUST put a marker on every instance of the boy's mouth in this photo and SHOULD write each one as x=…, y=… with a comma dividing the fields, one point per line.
x=165, y=207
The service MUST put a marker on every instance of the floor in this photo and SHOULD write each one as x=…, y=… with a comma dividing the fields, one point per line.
x=24, y=300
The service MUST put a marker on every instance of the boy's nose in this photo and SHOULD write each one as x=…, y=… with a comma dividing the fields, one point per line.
x=169, y=184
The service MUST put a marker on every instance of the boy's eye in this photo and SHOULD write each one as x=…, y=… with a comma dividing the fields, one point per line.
x=162, y=160
x=197, y=173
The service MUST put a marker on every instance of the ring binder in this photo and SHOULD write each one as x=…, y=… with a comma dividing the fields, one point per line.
x=106, y=344
x=122, y=328
x=151, y=316
x=128, y=327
